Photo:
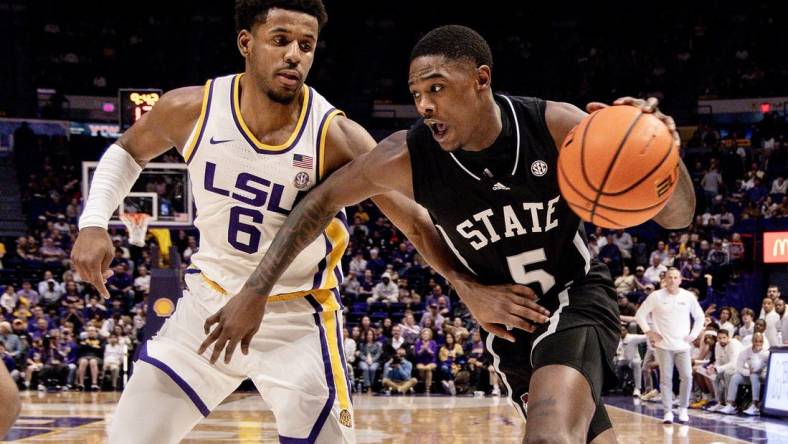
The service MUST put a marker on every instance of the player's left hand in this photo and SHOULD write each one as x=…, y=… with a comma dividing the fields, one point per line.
x=237, y=321
x=648, y=106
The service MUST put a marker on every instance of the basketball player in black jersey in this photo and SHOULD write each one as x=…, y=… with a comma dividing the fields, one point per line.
x=484, y=165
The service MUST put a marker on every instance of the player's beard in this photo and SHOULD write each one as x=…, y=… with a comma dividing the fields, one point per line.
x=283, y=97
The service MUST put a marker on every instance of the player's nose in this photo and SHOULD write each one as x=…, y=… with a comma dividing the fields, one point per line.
x=293, y=54
x=425, y=106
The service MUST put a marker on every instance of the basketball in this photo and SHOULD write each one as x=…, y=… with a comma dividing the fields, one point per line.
x=618, y=167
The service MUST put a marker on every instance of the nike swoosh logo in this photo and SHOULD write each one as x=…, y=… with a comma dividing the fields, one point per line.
x=214, y=141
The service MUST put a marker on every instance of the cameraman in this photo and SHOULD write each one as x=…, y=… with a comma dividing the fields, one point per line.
x=397, y=373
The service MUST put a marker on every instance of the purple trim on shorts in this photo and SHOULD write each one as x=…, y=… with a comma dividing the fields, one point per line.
x=321, y=420
x=192, y=271
x=335, y=290
x=338, y=273
x=341, y=346
x=313, y=302
x=176, y=378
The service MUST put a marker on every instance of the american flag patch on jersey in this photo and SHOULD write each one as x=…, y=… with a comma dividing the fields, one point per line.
x=302, y=161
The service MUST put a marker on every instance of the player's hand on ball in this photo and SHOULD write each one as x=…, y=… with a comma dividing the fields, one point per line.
x=91, y=255
x=499, y=306
x=649, y=106
x=236, y=322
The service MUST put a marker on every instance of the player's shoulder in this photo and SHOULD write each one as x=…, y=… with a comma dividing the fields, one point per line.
x=560, y=118
x=187, y=100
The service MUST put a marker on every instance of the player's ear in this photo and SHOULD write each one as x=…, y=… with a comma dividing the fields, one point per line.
x=483, y=77
x=244, y=42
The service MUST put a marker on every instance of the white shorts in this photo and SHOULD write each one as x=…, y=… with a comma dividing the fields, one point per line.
x=296, y=360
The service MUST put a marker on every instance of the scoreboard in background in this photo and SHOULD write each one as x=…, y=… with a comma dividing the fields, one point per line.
x=134, y=103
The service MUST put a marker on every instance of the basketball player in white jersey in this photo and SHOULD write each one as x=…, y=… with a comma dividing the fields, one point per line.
x=253, y=142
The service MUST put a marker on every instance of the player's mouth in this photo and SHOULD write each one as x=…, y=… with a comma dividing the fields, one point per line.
x=289, y=77
x=439, y=129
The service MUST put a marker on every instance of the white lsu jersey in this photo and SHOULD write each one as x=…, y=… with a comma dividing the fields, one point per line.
x=244, y=190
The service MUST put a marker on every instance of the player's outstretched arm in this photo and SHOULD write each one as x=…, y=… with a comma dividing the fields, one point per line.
x=167, y=125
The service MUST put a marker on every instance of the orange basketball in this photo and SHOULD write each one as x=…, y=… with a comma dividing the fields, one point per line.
x=618, y=167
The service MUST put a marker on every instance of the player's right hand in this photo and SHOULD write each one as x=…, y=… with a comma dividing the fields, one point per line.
x=497, y=307
x=91, y=256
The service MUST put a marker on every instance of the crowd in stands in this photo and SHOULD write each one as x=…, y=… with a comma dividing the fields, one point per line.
x=689, y=52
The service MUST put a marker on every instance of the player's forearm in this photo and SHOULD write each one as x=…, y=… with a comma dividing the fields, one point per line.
x=307, y=220
x=680, y=209
x=115, y=175
x=428, y=243
x=414, y=221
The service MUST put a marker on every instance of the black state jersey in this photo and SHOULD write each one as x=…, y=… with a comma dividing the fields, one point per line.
x=500, y=210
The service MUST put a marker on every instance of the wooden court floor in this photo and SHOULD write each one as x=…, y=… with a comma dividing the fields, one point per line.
x=81, y=418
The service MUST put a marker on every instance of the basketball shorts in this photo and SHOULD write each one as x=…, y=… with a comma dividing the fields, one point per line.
x=296, y=361
x=582, y=333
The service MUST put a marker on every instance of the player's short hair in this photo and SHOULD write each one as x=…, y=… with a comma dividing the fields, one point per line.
x=723, y=331
x=252, y=12
x=454, y=42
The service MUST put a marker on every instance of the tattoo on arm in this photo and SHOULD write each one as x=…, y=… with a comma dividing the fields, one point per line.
x=303, y=225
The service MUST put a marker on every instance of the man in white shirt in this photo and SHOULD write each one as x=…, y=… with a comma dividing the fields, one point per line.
x=624, y=242
x=785, y=329
x=629, y=356
x=358, y=264
x=113, y=359
x=43, y=286
x=779, y=186
x=671, y=308
x=142, y=282
x=726, y=354
x=772, y=321
x=652, y=273
x=397, y=340
x=752, y=364
x=385, y=291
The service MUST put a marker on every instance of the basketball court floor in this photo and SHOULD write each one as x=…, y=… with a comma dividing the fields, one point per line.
x=81, y=418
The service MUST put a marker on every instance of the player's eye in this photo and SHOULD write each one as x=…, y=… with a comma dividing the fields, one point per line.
x=306, y=47
x=415, y=94
x=280, y=40
x=436, y=88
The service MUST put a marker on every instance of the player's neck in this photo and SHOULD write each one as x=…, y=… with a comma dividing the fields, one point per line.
x=263, y=115
x=488, y=128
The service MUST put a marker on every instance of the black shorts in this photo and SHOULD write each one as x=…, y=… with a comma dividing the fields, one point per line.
x=583, y=333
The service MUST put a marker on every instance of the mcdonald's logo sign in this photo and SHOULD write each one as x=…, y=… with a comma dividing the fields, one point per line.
x=775, y=247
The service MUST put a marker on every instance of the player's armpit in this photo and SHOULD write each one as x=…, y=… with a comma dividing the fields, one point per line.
x=560, y=118
x=168, y=124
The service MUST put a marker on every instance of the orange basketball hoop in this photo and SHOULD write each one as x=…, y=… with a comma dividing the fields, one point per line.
x=137, y=225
